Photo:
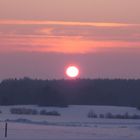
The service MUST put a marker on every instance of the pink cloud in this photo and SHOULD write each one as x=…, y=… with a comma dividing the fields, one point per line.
x=67, y=37
x=66, y=23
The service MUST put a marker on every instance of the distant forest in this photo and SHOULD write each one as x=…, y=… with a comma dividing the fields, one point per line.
x=70, y=92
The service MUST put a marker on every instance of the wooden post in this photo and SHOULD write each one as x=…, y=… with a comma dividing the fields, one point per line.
x=6, y=129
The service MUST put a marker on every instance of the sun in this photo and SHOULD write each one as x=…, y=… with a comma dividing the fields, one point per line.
x=72, y=71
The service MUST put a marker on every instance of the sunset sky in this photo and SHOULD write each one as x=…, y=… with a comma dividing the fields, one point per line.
x=40, y=38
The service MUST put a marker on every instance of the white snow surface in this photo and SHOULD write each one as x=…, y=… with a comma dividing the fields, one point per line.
x=73, y=124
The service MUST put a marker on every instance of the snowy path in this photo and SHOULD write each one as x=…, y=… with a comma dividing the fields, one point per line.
x=17, y=131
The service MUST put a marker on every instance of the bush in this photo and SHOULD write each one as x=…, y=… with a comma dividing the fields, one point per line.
x=23, y=111
x=101, y=116
x=91, y=114
x=135, y=116
x=43, y=112
x=109, y=115
x=138, y=107
x=52, y=113
x=120, y=116
x=126, y=115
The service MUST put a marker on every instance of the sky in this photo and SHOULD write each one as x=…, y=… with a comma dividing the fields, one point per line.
x=40, y=38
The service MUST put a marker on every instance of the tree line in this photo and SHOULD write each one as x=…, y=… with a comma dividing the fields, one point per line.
x=118, y=92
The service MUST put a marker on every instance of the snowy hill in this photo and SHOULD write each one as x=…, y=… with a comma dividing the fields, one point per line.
x=73, y=123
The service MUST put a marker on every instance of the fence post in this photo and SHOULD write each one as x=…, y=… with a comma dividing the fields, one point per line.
x=6, y=129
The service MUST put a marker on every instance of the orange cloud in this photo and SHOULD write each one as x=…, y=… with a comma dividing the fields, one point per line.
x=66, y=23
x=67, y=38
x=65, y=45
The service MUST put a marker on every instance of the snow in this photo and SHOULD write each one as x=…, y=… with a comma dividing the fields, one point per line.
x=73, y=124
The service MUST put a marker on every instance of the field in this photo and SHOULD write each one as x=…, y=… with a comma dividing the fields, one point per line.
x=72, y=124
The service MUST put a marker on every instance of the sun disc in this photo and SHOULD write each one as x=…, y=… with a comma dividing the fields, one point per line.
x=72, y=71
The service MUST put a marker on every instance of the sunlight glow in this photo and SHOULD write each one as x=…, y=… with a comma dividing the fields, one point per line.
x=72, y=71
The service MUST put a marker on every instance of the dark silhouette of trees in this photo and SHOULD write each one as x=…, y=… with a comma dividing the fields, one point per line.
x=118, y=92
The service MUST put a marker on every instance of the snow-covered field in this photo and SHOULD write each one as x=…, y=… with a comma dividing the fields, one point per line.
x=73, y=124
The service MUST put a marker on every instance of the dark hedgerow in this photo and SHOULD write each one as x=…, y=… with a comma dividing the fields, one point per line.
x=51, y=113
x=23, y=111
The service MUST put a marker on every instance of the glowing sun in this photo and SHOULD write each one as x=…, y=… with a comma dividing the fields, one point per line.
x=72, y=71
